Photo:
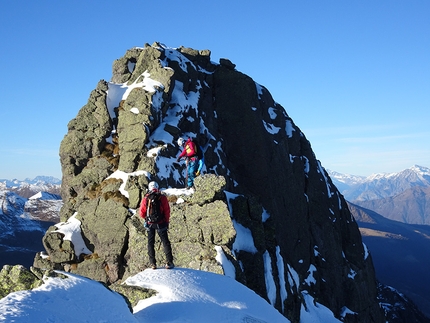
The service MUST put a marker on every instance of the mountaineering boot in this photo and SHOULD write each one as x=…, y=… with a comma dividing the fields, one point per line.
x=170, y=265
x=153, y=266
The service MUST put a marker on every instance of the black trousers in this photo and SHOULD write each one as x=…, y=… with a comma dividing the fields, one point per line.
x=162, y=233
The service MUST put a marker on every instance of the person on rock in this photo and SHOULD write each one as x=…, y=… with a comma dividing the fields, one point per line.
x=155, y=210
x=191, y=159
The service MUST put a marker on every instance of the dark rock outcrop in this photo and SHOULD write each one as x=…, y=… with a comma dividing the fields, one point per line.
x=262, y=184
x=398, y=307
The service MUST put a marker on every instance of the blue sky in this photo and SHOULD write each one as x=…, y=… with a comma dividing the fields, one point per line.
x=353, y=75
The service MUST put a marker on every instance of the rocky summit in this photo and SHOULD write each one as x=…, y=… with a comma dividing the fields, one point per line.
x=264, y=203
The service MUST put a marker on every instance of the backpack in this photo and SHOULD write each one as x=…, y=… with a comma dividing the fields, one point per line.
x=153, y=210
x=197, y=149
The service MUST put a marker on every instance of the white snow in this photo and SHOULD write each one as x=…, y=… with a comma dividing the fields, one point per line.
x=265, y=215
x=183, y=295
x=118, y=174
x=320, y=168
x=154, y=151
x=259, y=90
x=72, y=232
x=293, y=279
x=75, y=299
x=272, y=113
x=352, y=274
x=268, y=278
x=366, y=251
x=134, y=110
x=281, y=271
x=271, y=128
x=36, y=196
x=226, y=264
x=345, y=311
x=177, y=191
x=315, y=312
x=311, y=279
x=176, y=56
x=186, y=295
x=118, y=92
x=289, y=128
x=306, y=165
x=244, y=240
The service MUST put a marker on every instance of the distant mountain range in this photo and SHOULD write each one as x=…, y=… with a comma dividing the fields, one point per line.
x=28, y=209
x=379, y=186
x=393, y=213
x=402, y=196
x=38, y=181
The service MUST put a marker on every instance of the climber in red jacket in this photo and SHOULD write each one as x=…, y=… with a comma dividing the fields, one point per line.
x=155, y=210
x=190, y=154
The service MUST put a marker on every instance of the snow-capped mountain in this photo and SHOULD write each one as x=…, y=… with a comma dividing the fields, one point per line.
x=381, y=185
x=401, y=196
x=23, y=221
x=345, y=181
x=38, y=181
x=29, y=187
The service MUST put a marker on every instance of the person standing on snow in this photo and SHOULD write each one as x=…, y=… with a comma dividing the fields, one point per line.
x=191, y=158
x=155, y=210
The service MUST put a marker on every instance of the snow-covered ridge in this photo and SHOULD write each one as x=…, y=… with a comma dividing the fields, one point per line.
x=349, y=179
x=25, y=204
x=183, y=295
x=45, y=196
x=37, y=181
x=380, y=185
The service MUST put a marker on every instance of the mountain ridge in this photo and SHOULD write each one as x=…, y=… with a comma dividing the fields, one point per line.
x=400, y=253
x=23, y=221
x=402, y=196
x=380, y=185
x=38, y=180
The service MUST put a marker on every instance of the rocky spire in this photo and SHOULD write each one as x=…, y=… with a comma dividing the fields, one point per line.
x=263, y=185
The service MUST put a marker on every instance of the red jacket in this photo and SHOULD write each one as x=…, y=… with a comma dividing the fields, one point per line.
x=189, y=149
x=164, y=208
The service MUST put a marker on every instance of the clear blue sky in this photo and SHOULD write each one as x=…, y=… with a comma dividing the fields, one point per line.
x=353, y=75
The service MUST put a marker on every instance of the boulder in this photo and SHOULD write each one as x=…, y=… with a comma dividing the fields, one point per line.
x=16, y=278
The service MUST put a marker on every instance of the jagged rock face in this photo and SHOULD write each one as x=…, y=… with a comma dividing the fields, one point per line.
x=275, y=189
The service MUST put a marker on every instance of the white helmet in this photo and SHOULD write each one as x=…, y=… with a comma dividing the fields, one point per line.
x=181, y=141
x=152, y=185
